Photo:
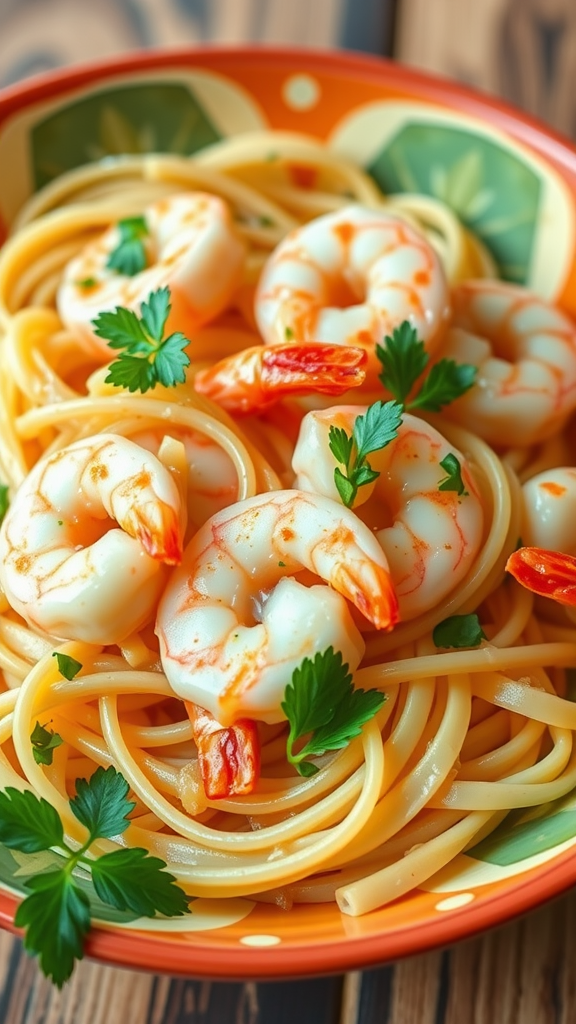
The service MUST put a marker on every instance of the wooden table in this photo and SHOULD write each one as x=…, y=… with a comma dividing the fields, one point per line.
x=522, y=973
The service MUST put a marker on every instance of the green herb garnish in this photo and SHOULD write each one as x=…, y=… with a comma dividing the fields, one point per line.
x=404, y=360
x=453, y=481
x=371, y=432
x=4, y=500
x=459, y=631
x=129, y=256
x=67, y=666
x=148, y=358
x=44, y=742
x=56, y=915
x=321, y=703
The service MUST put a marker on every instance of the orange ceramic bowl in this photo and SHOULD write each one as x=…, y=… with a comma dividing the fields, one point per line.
x=514, y=183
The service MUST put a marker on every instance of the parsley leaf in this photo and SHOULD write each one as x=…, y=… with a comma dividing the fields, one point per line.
x=459, y=631
x=56, y=914
x=56, y=917
x=101, y=805
x=134, y=880
x=404, y=360
x=446, y=381
x=129, y=256
x=44, y=741
x=371, y=432
x=121, y=328
x=27, y=822
x=453, y=481
x=68, y=667
x=321, y=703
x=146, y=358
x=4, y=500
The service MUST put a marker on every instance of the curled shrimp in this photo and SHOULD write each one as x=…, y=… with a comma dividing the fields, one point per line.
x=349, y=278
x=258, y=377
x=429, y=536
x=525, y=351
x=64, y=567
x=234, y=621
x=191, y=246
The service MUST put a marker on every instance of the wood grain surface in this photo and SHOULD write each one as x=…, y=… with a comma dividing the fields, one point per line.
x=523, y=50
x=523, y=973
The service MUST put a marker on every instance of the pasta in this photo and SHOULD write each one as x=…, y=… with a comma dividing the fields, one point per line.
x=464, y=735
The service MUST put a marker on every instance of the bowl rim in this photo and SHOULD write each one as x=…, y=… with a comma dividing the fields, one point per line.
x=522, y=126
x=146, y=950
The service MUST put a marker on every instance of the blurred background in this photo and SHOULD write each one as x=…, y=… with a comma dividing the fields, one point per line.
x=524, y=50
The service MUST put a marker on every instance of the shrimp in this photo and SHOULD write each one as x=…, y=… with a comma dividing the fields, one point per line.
x=546, y=573
x=234, y=621
x=212, y=480
x=191, y=246
x=257, y=377
x=547, y=565
x=63, y=566
x=549, y=510
x=229, y=758
x=349, y=278
x=430, y=536
x=525, y=351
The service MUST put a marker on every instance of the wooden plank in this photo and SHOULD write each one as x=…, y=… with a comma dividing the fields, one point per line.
x=36, y=37
x=523, y=50
x=97, y=994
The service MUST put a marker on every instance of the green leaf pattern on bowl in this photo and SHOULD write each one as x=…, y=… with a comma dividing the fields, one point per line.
x=493, y=191
x=158, y=117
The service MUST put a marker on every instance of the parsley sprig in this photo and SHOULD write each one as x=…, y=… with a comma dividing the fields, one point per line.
x=404, y=359
x=371, y=432
x=146, y=357
x=56, y=915
x=129, y=256
x=322, y=704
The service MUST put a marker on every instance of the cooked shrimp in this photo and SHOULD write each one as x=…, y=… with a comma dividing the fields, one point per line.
x=547, y=565
x=430, y=537
x=256, y=378
x=546, y=573
x=234, y=622
x=212, y=480
x=229, y=758
x=349, y=278
x=191, y=246
x=525, y=351
x=63, y=566
x=549, y=510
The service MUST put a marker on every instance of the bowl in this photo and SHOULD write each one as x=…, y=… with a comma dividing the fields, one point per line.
x=507, y=177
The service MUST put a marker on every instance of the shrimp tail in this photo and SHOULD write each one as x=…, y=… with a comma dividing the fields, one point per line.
x=546, y=573
x=158, y=529
x=372, y=592
x=229, y=757
x=257, y=377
